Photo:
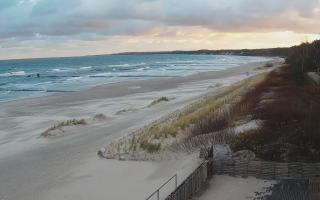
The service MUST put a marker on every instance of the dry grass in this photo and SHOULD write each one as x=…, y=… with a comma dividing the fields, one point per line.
x=291, y=128
x=99, y=116
x=59, y=126
x=159, y=100
x=203, y=112
x=268, y=65
x=150, y=147
x=204, y=116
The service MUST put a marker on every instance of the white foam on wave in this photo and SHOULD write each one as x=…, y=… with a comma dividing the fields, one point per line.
x=140, y=69
x=128, y=65
x=84, y=68
x=120, y=65
x=16, y=73
x=58, y=70
x=74, y=78
x=102, y=74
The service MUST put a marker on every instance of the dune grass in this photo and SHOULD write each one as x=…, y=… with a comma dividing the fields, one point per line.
x=159, y=100
x=201, y=115
x=291, y=128
x=268, y=65
x=99, y=116
x=203, y=110
x=59, y=126
x=150, y=147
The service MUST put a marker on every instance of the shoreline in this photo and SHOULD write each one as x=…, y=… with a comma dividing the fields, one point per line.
x=61, y=167
x=154, y=84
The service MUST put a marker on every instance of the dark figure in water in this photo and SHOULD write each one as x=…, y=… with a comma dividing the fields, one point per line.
x=38, y=75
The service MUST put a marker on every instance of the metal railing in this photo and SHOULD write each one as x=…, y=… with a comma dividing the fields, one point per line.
x=157, y=192
x=193, y=183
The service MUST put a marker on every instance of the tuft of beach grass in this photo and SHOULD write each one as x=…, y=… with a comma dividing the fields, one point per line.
x=59, y=126
x=159, y=100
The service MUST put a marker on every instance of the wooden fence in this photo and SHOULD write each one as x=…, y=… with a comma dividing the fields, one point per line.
x=194, y=183
x=291, y=175
x=203, y=141
x=294, y=190
x=268, y=170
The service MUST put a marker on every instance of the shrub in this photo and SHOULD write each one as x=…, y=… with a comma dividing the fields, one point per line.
x=99, y=116
x=303, y=58
x=212, y=124
x=161, y=99
x=290, y=131
x=268, y=65
x=150, y=147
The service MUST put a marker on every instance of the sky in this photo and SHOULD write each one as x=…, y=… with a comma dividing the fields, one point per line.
x=54, y=28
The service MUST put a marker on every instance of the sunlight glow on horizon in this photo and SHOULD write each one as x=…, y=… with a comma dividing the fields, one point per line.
x=194, y=39
x=44, y=28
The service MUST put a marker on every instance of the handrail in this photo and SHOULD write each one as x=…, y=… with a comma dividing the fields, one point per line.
x=158, y=190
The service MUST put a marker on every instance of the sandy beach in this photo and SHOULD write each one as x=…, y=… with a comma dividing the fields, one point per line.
x=67, y=166
x=234, y=188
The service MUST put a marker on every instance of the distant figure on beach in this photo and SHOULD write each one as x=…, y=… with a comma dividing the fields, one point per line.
x=247, y=73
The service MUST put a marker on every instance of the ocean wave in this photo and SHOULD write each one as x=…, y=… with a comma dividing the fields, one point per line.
x=102, y=75
x=85, y=68
x=127, y=65
x=16, y=73
x=192, y=69
x=140, y=69
x=58, y=70
x=56, y=76
x=146, y=76
x=74, y=78
x=32, y=90
x=120, y=65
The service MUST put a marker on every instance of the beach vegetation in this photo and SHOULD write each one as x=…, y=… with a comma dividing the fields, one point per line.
x=99, y=116
x=268, y=65
x=202, y=114
x=150, y=147
x=290, y=113
x=159, y=100
x=303, y=58
x=59, y=126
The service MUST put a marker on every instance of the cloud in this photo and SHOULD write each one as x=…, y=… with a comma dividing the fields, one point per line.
x=63, y=21
x=114, y=17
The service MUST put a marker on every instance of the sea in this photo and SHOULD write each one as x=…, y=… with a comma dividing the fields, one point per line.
x=26, y=78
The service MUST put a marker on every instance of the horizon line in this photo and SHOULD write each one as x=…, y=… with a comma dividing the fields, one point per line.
x=141, y=52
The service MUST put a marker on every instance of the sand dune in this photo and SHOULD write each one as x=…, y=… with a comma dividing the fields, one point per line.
x=67, y=167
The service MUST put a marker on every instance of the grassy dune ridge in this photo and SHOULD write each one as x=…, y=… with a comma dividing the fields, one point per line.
x=59, y=126
x=291, y=128
x=184, y=123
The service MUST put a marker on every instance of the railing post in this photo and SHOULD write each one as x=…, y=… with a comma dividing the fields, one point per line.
x=176, y=180
x=158, y=195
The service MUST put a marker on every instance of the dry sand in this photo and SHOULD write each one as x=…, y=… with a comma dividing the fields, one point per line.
x=67, y=167
x=234, y=188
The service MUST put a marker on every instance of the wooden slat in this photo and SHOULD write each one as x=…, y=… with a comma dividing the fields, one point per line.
x=268, y=170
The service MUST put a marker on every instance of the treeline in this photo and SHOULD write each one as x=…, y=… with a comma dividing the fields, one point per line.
x=306, y=53
x=282, y=52
x=305, y=56
x=302, y=59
